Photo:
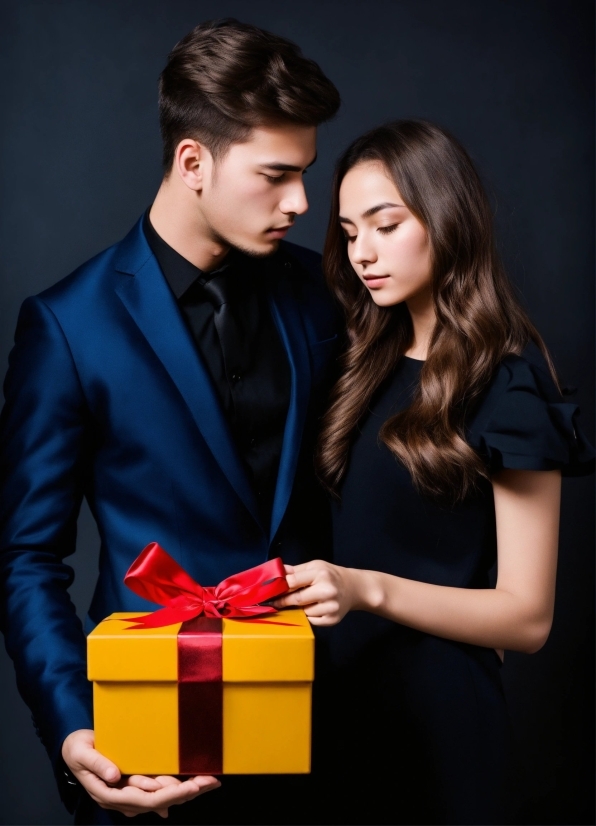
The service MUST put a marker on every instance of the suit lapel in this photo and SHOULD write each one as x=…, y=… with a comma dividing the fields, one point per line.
x=153, y=308
x=286, y=315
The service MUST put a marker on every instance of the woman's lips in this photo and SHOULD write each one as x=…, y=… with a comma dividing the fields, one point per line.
x=373, y=281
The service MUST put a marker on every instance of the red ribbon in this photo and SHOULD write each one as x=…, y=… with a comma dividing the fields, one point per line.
x=200, y=697
x=155, y=576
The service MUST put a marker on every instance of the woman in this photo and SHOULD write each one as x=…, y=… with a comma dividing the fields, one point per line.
x=446, y=409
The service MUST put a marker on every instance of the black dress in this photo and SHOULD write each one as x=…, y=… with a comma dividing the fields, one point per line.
x=416, y=728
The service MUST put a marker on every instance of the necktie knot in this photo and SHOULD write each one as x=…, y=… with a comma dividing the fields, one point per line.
x=220, y=289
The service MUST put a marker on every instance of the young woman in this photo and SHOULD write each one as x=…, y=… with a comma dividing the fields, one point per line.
x=443, y=447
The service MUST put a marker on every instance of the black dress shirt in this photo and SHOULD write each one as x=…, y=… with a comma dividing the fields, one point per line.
x=255, y=392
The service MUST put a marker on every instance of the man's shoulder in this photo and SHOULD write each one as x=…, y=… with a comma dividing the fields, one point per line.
x=93, y=278
x=311, y=291
x=306, y=272
x=309, y=259
x=85, y=277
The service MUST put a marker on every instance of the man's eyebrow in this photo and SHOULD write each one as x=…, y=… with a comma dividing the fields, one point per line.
x=371, y=211
x=286, y=167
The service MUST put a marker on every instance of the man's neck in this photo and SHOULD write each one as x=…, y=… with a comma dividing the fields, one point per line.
x=176, y=217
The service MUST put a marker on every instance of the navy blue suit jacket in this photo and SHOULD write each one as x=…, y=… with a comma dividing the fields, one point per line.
x=107, y=398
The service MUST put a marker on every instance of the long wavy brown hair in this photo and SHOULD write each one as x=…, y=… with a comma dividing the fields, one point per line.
x=478, y=318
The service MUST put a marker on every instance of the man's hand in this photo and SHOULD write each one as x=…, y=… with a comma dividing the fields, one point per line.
x=132, y=795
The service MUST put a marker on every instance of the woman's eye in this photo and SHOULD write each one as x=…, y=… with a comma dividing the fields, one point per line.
x=349, y=238
x=274, y=179
x=387, y=230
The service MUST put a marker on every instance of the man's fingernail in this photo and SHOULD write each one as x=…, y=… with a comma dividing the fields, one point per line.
x=111, y=775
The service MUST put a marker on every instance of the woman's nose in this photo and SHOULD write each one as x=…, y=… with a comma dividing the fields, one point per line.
x=363, y=251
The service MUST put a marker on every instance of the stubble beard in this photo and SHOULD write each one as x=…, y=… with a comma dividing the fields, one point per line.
x=220, y=238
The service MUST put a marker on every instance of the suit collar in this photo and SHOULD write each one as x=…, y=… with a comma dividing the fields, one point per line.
x=286, y=316
x=133, y=251
x=153, y=308
x=180, y=273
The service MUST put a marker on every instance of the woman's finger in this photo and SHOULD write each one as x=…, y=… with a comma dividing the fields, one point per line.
x=302, y=575
x=295, y=599
x=321, y=609
x=318, y=592
x=300, y=579
x=287, y=601
x=323, y=621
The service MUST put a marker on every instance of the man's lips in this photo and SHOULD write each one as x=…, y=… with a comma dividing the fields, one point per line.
x=279, y=230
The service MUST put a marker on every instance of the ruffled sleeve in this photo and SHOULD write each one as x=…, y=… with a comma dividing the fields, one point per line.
x=523, y=423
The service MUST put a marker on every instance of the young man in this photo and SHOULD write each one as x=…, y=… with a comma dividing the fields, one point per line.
x=174, y=380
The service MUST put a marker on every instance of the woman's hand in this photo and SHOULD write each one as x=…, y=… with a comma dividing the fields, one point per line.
x=326, y=592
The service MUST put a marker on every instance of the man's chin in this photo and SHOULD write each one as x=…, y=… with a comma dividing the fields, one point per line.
x=260, y=250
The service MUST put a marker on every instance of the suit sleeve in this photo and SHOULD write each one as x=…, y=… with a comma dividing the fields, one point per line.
x=44, y=432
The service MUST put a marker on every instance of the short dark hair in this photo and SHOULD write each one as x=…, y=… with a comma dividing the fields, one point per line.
x=226, y=77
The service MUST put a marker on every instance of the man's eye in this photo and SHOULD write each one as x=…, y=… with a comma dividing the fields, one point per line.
x=275, y=179
x=387, y=230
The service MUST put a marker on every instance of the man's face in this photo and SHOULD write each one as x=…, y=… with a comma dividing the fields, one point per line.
x=251, y=196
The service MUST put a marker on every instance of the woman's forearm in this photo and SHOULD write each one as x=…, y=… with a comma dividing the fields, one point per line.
x=494, y=618
x=517, y=614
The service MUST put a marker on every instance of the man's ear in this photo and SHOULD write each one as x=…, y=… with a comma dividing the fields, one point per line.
x=192, y=160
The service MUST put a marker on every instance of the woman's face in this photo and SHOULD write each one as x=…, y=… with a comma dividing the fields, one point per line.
x=387, y=245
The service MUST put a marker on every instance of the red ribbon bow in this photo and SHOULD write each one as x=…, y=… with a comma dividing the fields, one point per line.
x=155, y=576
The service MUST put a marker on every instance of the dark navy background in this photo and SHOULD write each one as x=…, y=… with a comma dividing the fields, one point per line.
x=513, y=79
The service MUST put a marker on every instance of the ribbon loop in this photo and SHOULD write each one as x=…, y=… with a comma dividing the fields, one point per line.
x=155, y=576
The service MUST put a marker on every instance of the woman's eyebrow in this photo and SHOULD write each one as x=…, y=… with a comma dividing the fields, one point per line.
x=371, y=211
x=379, y=207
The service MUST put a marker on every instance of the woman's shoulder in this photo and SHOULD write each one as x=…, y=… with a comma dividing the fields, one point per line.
x=522, y=421
x=529, y=367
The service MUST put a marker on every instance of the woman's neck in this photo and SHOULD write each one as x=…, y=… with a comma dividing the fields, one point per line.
x=422, y=313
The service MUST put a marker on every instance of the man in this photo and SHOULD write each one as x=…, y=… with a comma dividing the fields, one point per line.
x=175, y=381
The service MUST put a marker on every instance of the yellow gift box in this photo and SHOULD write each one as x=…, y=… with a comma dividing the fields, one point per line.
x=160, y=707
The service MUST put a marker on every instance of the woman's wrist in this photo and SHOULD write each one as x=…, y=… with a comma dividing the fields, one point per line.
x=368, y=590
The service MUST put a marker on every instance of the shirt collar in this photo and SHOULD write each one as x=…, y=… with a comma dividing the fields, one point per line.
x=181, y=274
x=178, y=271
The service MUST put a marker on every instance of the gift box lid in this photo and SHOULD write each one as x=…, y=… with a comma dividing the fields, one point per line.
x=272, y=648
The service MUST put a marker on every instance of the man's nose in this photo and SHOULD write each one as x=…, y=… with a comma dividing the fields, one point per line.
x=294, y=201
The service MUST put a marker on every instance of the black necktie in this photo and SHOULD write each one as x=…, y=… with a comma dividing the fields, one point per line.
x=222, y=291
